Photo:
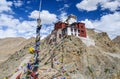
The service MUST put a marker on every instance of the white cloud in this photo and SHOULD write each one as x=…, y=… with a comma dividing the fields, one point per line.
x=9, y=26
x=43, y=36
x=63, y=16
x=109, y=23
x=46, y=16
x=88, y=23
x=64, y=7
x=91, y=5
x=46, y=30
x=18, y=3
x=5, y=6
x=26, y=26
x=88, y=5
x=7, y=33
x=13, y=27
x=8, y=20
x=114, y=5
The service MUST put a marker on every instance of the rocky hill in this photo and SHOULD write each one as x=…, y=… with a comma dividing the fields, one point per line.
x=9, y=46
x=117, y=40
x=94, y=57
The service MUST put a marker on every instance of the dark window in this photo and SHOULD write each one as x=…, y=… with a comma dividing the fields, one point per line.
x=71, y=29
x=75, y=34
x=82, y=31
x=54, y=39
x=59, y=35
x=64, y=31
x=50, y=41
x=75, y=30
x=73, y=26
x=82, y=27
x=78, y=31
x=71, y=33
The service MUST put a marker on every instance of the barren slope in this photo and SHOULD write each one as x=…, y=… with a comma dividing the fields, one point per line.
x=117, y=40
x=9, y=46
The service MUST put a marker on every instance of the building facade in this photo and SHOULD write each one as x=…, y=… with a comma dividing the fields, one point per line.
x=70, y=27
x=76, y=29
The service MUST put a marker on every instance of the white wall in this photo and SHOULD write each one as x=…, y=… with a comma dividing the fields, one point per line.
x=73, y=31
x=68, y=31
x=76, y=32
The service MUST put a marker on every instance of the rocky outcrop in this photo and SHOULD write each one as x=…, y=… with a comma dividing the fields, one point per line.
x=117, y=41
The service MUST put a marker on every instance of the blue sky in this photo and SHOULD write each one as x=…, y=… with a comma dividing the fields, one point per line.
x=18, y=17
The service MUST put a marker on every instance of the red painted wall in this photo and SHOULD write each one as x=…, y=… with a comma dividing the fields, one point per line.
x=82, y=29
x=59, y=25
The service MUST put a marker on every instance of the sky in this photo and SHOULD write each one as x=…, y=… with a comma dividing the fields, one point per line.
x=18, y=17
